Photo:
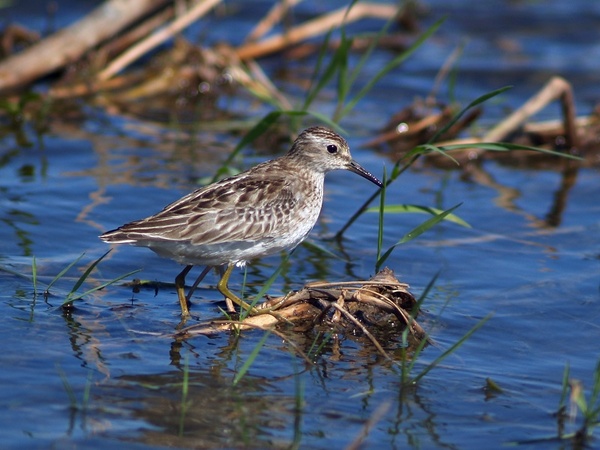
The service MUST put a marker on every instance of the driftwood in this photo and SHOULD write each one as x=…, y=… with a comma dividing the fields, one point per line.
x=379, y=305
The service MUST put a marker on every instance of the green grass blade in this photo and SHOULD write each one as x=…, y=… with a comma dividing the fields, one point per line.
x=86, y=274
x=338, y=60
x=578, y=396
x=251, y=358
x=71, y=297
x=299, y=404
x=338, y=63
x=344, y=82
x=317, y=344
x=244, y=282
x=68, y=388
x=419, y=230
x=358, y=213
x=372, y=46
x=325, y=250
x=184, y=396
x=397, y=209
x=343, y=86
x=451, y=350
x=85, y=401
x=390, y=66
x=429, y=148
x=562, y=403
x=62, y=272
x=407, y=364
x=327, y=75
x=505, y=147
x=381, y=210
x=428, y=288
x=479, y=100
x=415, y=232
x=595, y=395
x=34, y=276
x=383, y=258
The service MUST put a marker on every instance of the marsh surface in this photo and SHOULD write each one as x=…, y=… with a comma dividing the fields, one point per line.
x=108, y=373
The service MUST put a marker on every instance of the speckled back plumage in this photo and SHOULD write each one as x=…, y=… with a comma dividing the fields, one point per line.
x=267, y=209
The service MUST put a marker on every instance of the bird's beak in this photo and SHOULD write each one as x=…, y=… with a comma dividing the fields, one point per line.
x=356, y=168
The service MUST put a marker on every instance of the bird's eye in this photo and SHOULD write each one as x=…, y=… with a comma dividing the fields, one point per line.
x=332, y=148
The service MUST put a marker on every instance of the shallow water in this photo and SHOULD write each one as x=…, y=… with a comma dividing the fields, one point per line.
x=109, y=373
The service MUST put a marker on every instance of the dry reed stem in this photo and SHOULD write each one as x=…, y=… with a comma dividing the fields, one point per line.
x=138, y=32
x=314, y=27
x=273, y=16
x=71, y=43
x=154, y=40
x=556, y=89
x=256, y=81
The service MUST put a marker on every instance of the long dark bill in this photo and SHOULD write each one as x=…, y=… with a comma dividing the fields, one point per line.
x=356, y=168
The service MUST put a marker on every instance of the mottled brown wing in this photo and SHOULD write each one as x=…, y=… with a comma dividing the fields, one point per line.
x=236, y=209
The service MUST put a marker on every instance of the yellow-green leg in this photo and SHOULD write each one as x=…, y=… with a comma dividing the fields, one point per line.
x=224, y=289
x=180, y=285
x=228, y=302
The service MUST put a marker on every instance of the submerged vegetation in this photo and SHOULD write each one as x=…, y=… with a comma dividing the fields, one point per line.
x=73, y=295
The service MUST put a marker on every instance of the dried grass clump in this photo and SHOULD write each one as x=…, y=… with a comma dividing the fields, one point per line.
x=381, y=306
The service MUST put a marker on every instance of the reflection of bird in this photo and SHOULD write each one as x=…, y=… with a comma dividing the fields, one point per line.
x=267, y=209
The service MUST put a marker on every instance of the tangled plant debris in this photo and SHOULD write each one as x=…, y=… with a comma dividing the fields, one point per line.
x=379, y=306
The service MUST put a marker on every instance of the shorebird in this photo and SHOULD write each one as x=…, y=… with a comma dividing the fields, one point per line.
x=267, y=209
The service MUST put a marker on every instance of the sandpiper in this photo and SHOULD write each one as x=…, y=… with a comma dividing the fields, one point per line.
x=262, y=211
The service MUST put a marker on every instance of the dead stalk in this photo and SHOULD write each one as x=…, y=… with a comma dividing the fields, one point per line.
x=273, y=16
x=314, y=27
x=154, y=40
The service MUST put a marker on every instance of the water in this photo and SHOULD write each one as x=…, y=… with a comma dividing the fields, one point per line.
x=110, y=373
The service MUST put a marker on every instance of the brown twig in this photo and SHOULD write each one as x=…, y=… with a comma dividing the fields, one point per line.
x=556, y=88
x=273, y=16
x=314, y=27
x=244, y=325
x=69, y=44
x=152, y=41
